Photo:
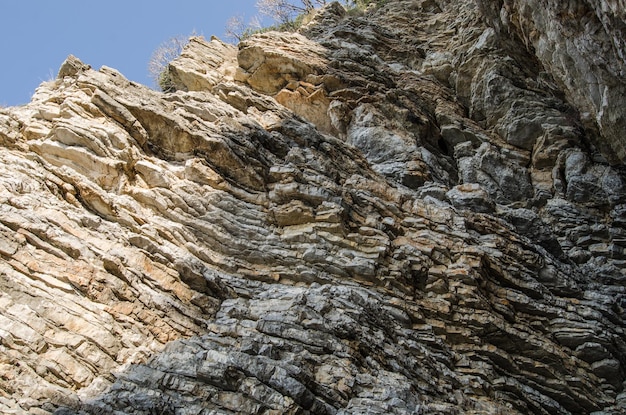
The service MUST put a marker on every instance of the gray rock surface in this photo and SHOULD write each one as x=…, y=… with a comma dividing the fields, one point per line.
x=582, y=46
x=405, y=210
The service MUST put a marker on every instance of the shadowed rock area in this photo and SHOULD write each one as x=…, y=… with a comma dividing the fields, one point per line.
x=415, y=209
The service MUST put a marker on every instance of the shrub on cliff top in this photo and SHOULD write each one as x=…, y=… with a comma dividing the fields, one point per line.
x=161, y=57
x=288, y=16
x=284, y=11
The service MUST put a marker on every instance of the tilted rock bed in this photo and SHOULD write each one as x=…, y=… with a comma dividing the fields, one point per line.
x=419, y=209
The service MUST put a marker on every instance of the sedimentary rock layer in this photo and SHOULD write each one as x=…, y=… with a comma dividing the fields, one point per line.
x=400, y=210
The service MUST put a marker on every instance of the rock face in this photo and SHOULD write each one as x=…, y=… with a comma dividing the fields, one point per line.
x=582, y=44
x=415, y=209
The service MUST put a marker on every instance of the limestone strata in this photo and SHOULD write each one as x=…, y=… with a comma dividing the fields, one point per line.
x=582, y=44
x=395, y=211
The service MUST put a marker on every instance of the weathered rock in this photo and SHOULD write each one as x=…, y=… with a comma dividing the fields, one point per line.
x=202, y=65
x=471, y=196
x=394, y=211
x=582, y=45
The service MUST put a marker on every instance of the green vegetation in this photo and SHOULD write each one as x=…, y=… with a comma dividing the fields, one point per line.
x=165, y=81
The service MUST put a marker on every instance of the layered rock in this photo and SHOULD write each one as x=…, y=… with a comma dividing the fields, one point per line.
x=582, y=45
x=399, y=211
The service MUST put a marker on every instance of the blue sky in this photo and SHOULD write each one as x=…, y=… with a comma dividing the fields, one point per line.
x=37, y=35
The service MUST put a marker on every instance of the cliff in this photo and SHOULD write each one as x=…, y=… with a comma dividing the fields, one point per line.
x=417, y=209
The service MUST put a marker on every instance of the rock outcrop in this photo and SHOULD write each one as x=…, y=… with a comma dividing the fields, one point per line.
x=415, y=209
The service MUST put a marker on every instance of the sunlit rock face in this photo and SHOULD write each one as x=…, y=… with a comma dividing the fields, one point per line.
x=416, y=209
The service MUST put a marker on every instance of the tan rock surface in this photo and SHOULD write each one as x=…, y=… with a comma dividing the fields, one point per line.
x=395, y=212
